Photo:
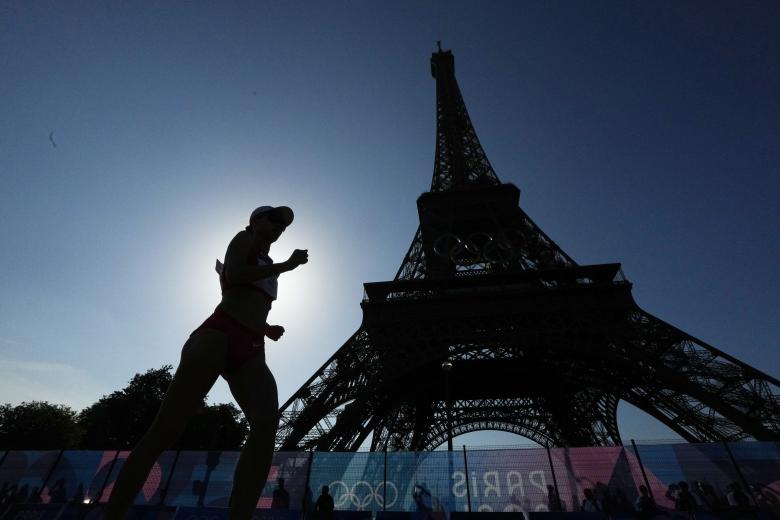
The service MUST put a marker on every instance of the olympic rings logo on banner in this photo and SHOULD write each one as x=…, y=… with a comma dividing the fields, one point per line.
x=479, y=247
x=362, y=494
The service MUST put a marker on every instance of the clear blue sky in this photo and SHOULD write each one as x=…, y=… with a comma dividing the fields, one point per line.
x=641, y=133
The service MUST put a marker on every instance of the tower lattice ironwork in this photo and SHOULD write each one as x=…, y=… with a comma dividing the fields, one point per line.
x=540, y=345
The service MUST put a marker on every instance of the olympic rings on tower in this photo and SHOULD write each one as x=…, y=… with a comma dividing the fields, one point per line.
x=479, y=247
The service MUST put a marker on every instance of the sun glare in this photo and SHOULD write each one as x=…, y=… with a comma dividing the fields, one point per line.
x=303, y=289
x=300, y=290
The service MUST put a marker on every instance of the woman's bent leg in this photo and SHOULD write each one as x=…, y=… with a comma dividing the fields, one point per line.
x=202, y=359
x=254, y=389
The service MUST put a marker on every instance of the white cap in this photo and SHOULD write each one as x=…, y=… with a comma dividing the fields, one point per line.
x=283, y=211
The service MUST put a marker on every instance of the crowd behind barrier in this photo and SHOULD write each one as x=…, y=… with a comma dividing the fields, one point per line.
x=709, y=481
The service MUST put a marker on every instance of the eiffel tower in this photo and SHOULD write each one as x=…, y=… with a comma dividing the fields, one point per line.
x=490, y=325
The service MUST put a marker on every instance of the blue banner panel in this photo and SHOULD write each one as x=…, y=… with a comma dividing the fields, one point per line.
x=151, y=492
x=292, y=467
x=429, y=481
x=78, y=477
x=121, y=457
x=206, y=479
x=508, y=480
x=202, y=478
x=355, y=480
x=27, y=470
x=706, y=469
x=34, y=512
x=426, y=482
x=759, y=463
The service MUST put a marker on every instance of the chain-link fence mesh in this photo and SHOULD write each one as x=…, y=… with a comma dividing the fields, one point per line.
x=78, y=477
x=528, y=479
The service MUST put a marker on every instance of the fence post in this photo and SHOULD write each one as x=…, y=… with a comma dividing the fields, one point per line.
x=96, y=498
x=384, y=487
x=466, y=469
x=304, y=505
x=739, y=473
x=642, y=467
x=555, y=480
x=50, y=473
x=164, y=492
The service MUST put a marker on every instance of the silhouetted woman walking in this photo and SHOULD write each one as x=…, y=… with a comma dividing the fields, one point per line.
x=229, y=343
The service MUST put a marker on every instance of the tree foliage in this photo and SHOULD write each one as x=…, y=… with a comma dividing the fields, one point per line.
x=38, y=425
x=119, y=420
x=215, y=427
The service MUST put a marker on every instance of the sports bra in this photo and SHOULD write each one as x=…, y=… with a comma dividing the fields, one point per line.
x=268, y=285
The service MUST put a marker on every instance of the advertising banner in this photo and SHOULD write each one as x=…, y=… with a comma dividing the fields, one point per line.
x=710, y=475
x=487, y=480
x=415, y=481
x=206, y=479
x=25, y=471
x=78, y=477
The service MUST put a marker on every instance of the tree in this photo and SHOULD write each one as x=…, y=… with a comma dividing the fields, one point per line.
x=119, y=420
x=215, y=427
x=38, y=425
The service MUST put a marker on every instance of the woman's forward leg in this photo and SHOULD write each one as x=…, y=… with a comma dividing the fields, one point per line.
x=202, y=359
x=254, y=389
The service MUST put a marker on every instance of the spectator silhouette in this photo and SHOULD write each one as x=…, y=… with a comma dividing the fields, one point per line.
x=736, y=498
x=525, y=507
x=645, y=505
x=422, y=498
x=22, y=494
x=672, y=491
x=607, y=499
x=619, y=504
x=4, y=492
x=590, y=504
x=308, y=501
x=324, y=505
x=35, y=496
x=78, y=496
x=57, y=492
x=281, y=498
x=8, y=498
x=10, y=492
x=707, y=497
x=765, y=498
x=553, y=500
x=575, y=501
x=601, y=493
x=684, y=502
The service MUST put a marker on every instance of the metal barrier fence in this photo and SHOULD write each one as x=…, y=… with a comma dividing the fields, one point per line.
x=465, y=480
